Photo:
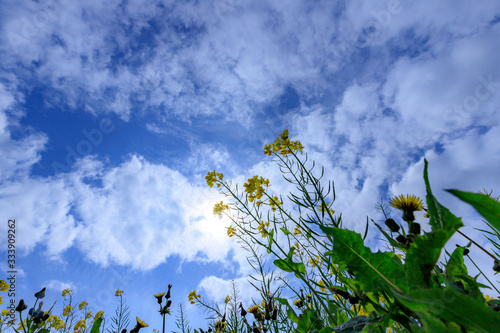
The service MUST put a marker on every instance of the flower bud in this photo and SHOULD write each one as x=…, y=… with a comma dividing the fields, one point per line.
x=415, y=228
x=402, y=240
x=392, y=225
x=40, y=294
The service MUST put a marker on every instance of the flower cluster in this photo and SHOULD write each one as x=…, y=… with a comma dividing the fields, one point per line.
x=274, y=202
x=231, y=231
x=325, y=208
x=255, y=188
x=283, y=145
x=193, y=296
x=262, y=229
x=219, y=208
x=213, y=177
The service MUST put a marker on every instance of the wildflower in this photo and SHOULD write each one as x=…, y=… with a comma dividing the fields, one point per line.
x=262, y=229
x=254, y=187
x=3, y=286
x=322, y=286
x=159, y=297
x=408, y=205
x=219, y=208
x=486, y=297
x=253, y=309
x=274, y=202
x=66, y=291
x=80, y=324
x=192, y=296
x=98, y=315
x=5, y=312
x=211, y=178
x=88, y=314
x=231, y=231
x=360, y=310
x=40, y=294
x=297, y=230
x=118, y=293
x=140, y=323
x=67, y=309
x=283, y=145
x=219, y=326
x=298, y=303
x=323, y=208
x=227, y=299
x=81, y=305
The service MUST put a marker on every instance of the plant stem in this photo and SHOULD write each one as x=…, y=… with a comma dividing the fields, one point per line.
x=483, y=273
x=479, y=246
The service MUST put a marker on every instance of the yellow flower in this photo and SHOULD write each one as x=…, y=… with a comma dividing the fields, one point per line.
x=219, y=208
x=408, y=205
x=67, y=309
x=298, y=303
x=211, y=178
x=227, y=299
x=274, y=202
x=159, y=297
x=488, y=298
x=3, y=286
x=283, y=145
x=1, y=300
x=193, y=296
x=219, y=326
x=80, y=324
x=66, y=291
x=82, y=304
x=5, y=312
x=231, y=231
x=253, y=308
x=322, y=286
x=297, y=230
x=325, y=208
x=254, y=187
x=262, y=229
x=118, y=293
x=359, y=310
x=88, y=315
x=140, y=323
x=98, y=315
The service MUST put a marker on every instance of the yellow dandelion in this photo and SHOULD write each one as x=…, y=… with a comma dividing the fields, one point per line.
x=408, y=204
x=140, y=323
x=253, y=309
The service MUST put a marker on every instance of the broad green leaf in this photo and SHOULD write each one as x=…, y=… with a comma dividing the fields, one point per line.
x=374, y=271
x=424, y=252
x=271, y=235
x=97, y=324
x=452, y=307
x=292, y=315
x=455, y=265
x=488, y=207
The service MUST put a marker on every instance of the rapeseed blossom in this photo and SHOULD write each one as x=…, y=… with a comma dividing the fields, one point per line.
x=219, y=208
x=213, y=177
x=283, y=145
x=254, y=187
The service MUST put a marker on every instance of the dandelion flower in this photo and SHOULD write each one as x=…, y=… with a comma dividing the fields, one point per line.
x=140, y=323
x=408, y=204
x=159, y=297
x=253, y=309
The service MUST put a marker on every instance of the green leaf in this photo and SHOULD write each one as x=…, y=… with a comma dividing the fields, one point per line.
x=356, y=324
x=97, y=324
x=488, y=207
x=455, y=265
x=424, y=252
x=271, y=235
x=374, y=271
x=285, y=231
x=292, y=315
x=289, y=266
x=452, y=307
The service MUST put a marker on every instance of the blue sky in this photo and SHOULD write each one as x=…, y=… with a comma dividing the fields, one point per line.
x=112, y=113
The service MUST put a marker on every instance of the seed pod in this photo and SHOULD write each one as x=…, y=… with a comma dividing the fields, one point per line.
x=392, y=225
x=415, y=228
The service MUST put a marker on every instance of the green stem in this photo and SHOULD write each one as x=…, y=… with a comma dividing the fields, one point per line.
x=479, y=246
x=483, y=274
